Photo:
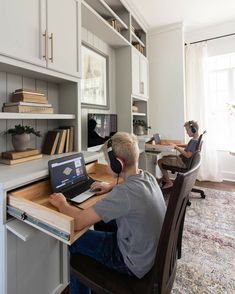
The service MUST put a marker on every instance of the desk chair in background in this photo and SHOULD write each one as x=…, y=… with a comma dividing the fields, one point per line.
x=175, y=169
x=160, y=279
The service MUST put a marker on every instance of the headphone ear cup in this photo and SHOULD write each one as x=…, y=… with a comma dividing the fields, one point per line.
x=116, y=163
x=193, y=130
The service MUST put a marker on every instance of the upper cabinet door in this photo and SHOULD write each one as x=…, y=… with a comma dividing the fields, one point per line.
x=20, y=30
x=143, y=76
x=135, y=72
x=139, y=74
x=63, y=18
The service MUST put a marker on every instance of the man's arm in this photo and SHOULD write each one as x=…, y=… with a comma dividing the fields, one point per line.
x=186, y=154
x=83, y=218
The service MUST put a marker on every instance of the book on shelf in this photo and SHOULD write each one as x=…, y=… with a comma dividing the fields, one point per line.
x=61, y=142
x=20, y=160
x=138, y=47
x=28, y=109
x=19, y=154
x=69, y=145
x=22, y=103
x=27, y=97
x=50, y=142
x=28, y=91
x=115, y=24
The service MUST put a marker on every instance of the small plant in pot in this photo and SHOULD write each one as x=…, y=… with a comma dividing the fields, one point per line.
x=139, y=126
x=21, y=136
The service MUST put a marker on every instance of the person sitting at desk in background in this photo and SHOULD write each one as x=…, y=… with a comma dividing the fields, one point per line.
x=186, y=152
x=128, y=220
x=93, y=137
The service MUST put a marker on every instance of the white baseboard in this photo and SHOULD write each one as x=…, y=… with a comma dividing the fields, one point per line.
x=228, y=176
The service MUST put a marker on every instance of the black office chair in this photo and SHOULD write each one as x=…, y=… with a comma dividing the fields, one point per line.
x=161, y=277
x=175, y=169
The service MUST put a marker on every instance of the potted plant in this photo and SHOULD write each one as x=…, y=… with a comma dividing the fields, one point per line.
x=139, y=126
x=21, y=136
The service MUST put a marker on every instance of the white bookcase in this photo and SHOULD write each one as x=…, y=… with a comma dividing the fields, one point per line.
x=40, y=50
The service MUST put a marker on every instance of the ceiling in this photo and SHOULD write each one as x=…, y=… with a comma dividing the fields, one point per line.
x=193, y=13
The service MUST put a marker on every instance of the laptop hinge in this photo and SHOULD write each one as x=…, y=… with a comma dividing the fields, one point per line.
x=21, y=215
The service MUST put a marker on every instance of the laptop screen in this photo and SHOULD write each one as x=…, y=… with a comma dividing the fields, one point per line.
x=67, y=171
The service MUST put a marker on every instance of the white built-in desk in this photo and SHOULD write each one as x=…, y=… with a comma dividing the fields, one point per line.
x=30, y=260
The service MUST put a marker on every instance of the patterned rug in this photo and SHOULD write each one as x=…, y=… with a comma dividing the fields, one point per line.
x=207, y=264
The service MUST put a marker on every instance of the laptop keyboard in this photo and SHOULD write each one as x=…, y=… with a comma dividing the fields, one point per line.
x=79, y=189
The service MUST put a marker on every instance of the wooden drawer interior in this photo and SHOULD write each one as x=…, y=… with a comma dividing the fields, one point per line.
x=31, y=205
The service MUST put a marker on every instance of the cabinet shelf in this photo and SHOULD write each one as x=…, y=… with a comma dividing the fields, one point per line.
x=94, y=22
x=137, y=39
x=12, y=115
x=139, y=114
x=106, y=11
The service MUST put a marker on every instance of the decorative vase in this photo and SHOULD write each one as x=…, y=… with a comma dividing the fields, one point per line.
x=139, y=130
x=21, y=142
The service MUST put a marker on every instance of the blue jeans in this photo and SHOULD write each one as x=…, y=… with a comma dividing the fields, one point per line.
x=100, y=244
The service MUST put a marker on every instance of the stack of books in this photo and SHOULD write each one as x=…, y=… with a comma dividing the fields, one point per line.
x=59, y=141
x=28, y=101
x=15, y=157
x=138, y=47
x=132, y=29
x=115, y=24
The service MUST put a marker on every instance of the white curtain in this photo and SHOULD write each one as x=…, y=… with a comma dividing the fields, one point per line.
x=197, y=106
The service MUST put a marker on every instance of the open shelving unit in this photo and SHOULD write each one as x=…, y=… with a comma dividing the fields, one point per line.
x=138, y=36
x=110, y=25
x=62, y=93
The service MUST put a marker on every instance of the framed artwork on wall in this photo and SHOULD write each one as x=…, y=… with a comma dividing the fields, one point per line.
x=94, y=84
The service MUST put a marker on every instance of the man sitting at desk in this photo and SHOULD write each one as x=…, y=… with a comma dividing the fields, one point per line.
x=186, y=152
x=132, y=214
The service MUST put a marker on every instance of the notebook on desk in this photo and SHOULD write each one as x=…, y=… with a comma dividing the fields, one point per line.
x=68, y=175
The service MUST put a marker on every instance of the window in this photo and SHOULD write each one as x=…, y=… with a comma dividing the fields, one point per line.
x=221, y=94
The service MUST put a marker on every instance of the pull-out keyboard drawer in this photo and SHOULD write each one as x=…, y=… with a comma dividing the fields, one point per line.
x=31, y=205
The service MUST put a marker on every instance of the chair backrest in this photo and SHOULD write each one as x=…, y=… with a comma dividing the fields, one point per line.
x=166, y=257
x=198, y=149
x=199, y=142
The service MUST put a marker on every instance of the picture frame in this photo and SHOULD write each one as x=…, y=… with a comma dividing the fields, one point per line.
x=94, y=83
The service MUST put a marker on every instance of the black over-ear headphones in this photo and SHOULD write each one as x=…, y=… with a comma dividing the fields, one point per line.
x=116, y=163
x=193, y=129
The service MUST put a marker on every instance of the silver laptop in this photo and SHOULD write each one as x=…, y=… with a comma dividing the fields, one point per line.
x=68, y=175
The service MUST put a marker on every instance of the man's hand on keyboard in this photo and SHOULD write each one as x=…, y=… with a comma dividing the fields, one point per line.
x=101, y=187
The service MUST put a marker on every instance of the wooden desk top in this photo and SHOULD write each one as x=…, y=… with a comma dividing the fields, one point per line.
x=33, y=201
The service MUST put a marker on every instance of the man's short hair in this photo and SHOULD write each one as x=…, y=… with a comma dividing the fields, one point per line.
x=192, y=123
x=125, y=145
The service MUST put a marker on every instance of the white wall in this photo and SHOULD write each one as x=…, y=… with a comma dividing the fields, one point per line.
x=91, y=39
x=166, y=85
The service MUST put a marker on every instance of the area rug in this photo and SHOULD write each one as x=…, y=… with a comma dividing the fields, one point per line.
x=207, y=264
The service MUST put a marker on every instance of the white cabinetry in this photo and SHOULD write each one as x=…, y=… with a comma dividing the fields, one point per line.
x=20, y=27
x=139, y=74
x=131, y=89
x=41, y=32
x=61, y=36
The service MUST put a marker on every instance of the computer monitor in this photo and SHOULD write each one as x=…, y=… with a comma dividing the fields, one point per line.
x=100, y=127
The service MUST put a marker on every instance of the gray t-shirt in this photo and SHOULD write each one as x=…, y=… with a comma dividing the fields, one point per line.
x=138, y=207
x=191, y=146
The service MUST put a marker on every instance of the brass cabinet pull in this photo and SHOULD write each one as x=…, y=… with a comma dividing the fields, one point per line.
x=45, y=46
x=52, y=47
x=141, y=87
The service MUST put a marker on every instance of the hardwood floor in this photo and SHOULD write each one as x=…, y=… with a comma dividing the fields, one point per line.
x=223, y=186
